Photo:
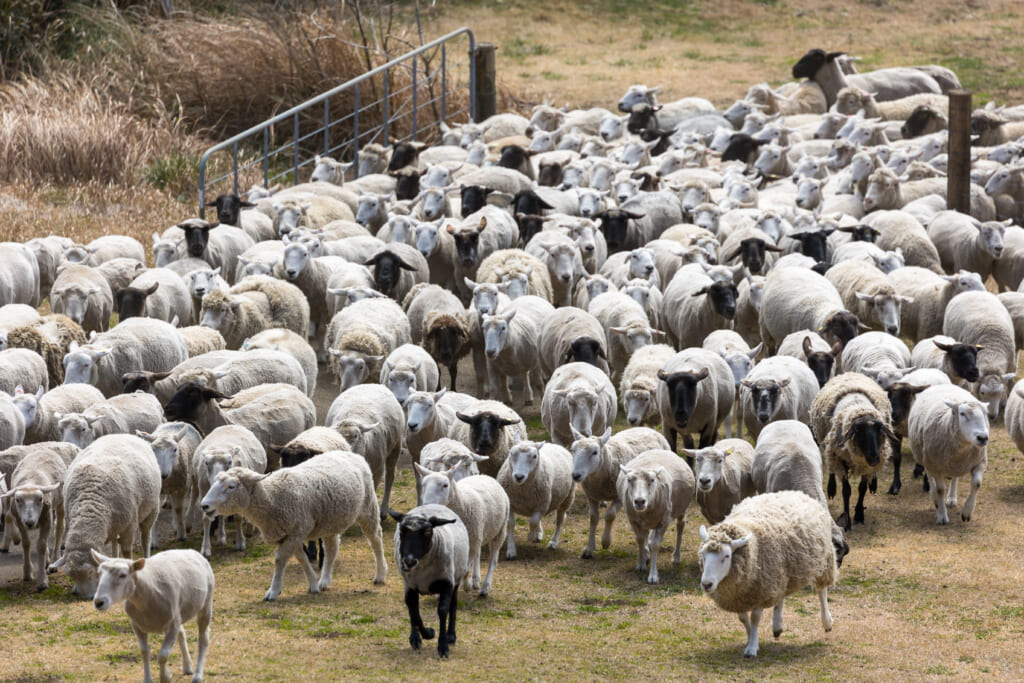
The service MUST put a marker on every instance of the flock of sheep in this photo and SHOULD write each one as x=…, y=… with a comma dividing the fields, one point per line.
x=785, y=267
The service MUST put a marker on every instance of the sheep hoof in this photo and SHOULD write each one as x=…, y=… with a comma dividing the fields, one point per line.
x=965, y=518
x=776, y=634
x=587, y=555
x=894, y=489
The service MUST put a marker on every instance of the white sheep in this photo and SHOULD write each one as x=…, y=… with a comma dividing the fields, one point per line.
x=577, y=398
x=439, y=322
x=738, y=355
x=638, y=389
x=21, y=367
x=695, y=395
x=82, y=294
x=407, y=369
x=800, y=299
x=313, y=441
x=39, y=408
x=511, y=265
x=223, y=448
x=538, y=480
x=513, y=345
x=595, y=466
x=768, y=547
x=36, y=501
x=930, y=294
x=722, y=475
x=1014, y=415
x=483, y=506
x=361, y=336
x=777, y=388
x=949, y=434
x=173, y=444
x=320, y=498
x=655, y=488
x=13, y=316
x=121, y=414
x=311, y=276
x=626, y=327
x=448, y=454
x=160, y=595
x=562, y=260
x=156, y=293
x=430, y=416
x=980, y=319
x=12, y=423
x=19, y=278
x=254, y=304
x=572, y=334
x=294, y=345
x=964, y=243
x=867, y=293
x=111, y=490
x=882, y=357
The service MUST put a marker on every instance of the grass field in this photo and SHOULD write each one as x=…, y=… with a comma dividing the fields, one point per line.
x=915, y=601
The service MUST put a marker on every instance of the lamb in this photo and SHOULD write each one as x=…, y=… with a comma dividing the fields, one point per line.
x=965, y=244
x=111, y=489
x=294, y=345
x=372, y=421
x=40, y=409
x=958, y=361
x=577, y=398
x=255, y=304
x=866, y=293
x=320, y=498
x=882, y=357
x=851, y=420
x=160, y=595
x=362, y=335
x=777, y=388
x=156, y=293
x=808, y=346
x=538, y=480
x=930, y=294
x=274, y=413
x=488, y=428
x=571, y=334
x=36, y=499
x=136, y=344
x=800, y=299
x=22, y=367
x=696, y=306
x=440, y=324
x=430, y=416
x=695, y=395
x=949, y=435
x=173, y=443
x=432, y=553
x=722, y=474
x=638, y=388
x=980, y=319
x=768, y=547
x=513, y=345
x=483, y=506
x=223, y=448
x=82, y=294
x=595, y=466
x=122, y=414
x=655, y=488
x=407, y=369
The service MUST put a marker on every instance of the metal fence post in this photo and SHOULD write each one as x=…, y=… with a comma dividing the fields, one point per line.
x=958, y=187
x=486, y=95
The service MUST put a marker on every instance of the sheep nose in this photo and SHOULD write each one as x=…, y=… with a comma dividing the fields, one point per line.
x=649, y=269
x=707, y=586
x=207, y=507
x=409, y=561
x=577, y=477
x=589, y=248
x=639, y=503
x=100, y=603
x=520, y=478
x=413, y=426
x=291, y=273
x=981, y=439
x=633, y=420
x=565, y=277
x=705, y=483
x=763, y=418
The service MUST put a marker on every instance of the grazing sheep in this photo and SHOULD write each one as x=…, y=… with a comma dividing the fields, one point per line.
x=695, y=395
x=36, y=500
x=809, y=347
x=82, y=294
x=372, y=421
x=980, y=319
x=123, y=414
x=440, y=324
x=223, y=448
x=578, y=398
x=538, y=480
x=595, y=466
x=851, y=420
x=571, y=334
x=361, y=336
x=111, y=490
x=432, y=553
x=320, y=498
x=160, y=595
x=488, y=428
x=722, y=474
x=777, y=388
x=638, y=389
x=949, y=435
x=514, y=345
x=927, y=295
x=655, y=488
x=173, y=443
x=768, y=547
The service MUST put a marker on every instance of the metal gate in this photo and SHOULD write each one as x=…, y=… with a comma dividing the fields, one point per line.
x=410, y=96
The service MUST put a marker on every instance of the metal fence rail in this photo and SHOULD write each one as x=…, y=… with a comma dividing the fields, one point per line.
x=409, y=96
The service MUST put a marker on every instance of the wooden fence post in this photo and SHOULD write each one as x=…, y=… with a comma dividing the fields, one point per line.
x=958, y=188
x=486, y=83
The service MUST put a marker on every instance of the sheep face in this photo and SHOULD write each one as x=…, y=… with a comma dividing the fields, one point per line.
x=573, y=176
x=682, y=393
x=715, y=558
x=924, y=120
x=202, y=282
x=295, y=454
x=485, y=297
x=214, y=314
x=229, y=208
x=467, y=245
x=722, y=296
x=131, y=301
x=116, y=579
x=641, y=117
x=601, y=176
x=289, y=216
x=741, y=147
x=473, y=198
x=765, y=395
x=528, y=201
x=141, y=381
x=585, y=350
x=296, y=258
x=28, y=404
x=963, y=358
x=529, y=225
x=821, y=362
x=842, y=325
x=514, y=157
x=740, y=363
x=256, y=267
x=420, y=409
x=495, y=331
x=752, y=252
x=706, y=216
x=562, y=260
x=641, y=263
x=327, y=170
x=638, y=403
x=445, y=341
x=515, y=285
x=591, y=202
x=81, y=365
x=402, y=382
x=708, y=464
x=586, y=453
x=614, y=225
x=991, y=234
x=73, y=301
x=354, y=433
x=598, y=284
x=30, y=502
x=550, y=174
x=485, y=430
x=641, y=484
x=436, y=486
x=352, y=369
x=372, y=209
x=523, y=459
x=432, y=204
x=164, y=251
x=197, y=236
x=991, y=389
x=867, y=436
x=885, y=309
x=808, y=195
x=637, y=94
x=165, y=448
x=387, y=270
x=228, y=495
x=425, y=238
x=81, y=568
x=583, y=406
x=415, y=536
x=972, y=422
x=767, y=160
x=189, y=402
x=635, y=337
x=901, y=399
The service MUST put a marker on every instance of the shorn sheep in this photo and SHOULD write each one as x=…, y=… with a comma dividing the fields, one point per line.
x=538, y=479
x=768, y=547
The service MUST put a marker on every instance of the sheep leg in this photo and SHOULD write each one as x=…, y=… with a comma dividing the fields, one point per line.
x=58, y=534
x=495, y=549
x=5, y=544
x=26, y=551
x=641, y=545
x=475, y=551
x=330, y=555
x=588, y=551
x=751, y=623
x=559, y=521
x=390, y=464
x=677, y=553
x=312, y=579
x=281, y=556
x=206, y=549
x=186, y=658
x=222, y=531
x=728, y=424
x=777, y=617
x=239, y=533
x=654, y=546
x=609, y=519
x=897, y=460
x=480, y=372
x=826, y=616
x=976, y=473
x=147, y=528
x=831, y=485
x=707, y=437
x=178, y=506
x=527, y=388
x=41, y=552
x=510, y=549
x=536, y=529
x=688, y=441
x=444, y=602
x=143, y=638
x=844, y=519
x=165, y=652
x=453, y=374
x=452, y=609
x=203, y=621
x=938, y=494
x=370, y=527
x=858, y=510
x=951, y=494
x=418, y=632
x=670, y=436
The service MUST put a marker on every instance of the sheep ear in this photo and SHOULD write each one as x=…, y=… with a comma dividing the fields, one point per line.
x=480, y=458
x=607, y=435
x=752, y=354
x=423, y=471
x=738, y=543
x=576, y=434
x=395, y=515
x=98, y=558
x=703, y=531
x=861, y=296
x=622, y=469
x=369, y=427
x=464, y=418
x=145, y=435
x=439, y=393
x=469, y=283
x=441, y=521
x=139, y=564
